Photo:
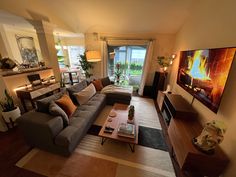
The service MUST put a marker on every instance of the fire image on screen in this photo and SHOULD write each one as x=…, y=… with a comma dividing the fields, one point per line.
x=203, y=73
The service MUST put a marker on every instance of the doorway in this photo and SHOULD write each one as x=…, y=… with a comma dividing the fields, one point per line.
x=131, y=60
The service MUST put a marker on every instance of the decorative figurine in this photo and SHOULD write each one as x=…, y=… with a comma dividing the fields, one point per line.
x=211, y=135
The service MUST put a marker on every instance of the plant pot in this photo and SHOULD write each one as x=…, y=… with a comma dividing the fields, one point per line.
x=14, y=114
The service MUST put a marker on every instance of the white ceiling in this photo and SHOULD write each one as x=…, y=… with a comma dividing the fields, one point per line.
x=106, y=16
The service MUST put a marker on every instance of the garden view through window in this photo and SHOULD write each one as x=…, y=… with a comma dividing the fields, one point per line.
x=130, y=60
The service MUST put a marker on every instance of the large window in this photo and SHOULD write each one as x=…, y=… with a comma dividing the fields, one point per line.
x=68, y=56
x=131, y=59
x=74, y=52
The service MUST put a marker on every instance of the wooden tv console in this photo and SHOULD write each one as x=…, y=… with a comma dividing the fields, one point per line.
x=180, y=125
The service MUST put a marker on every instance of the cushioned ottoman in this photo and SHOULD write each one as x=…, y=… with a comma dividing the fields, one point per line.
x=118, y=94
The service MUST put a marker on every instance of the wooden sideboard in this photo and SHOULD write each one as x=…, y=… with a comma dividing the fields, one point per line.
x=34, y=93
x=180, y=128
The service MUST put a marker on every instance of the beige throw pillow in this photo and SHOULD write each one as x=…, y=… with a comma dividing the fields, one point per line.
x=84, y=95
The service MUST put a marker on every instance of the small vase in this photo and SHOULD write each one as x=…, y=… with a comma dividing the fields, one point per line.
x=130, y=117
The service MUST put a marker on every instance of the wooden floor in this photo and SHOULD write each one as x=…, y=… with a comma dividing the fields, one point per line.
x=12, y=149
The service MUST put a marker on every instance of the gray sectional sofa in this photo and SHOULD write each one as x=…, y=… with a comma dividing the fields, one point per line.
x=47, y=132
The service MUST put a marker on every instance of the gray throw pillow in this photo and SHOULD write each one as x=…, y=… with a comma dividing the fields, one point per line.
x=55, y=110
x=105, y=81
x=43, y=104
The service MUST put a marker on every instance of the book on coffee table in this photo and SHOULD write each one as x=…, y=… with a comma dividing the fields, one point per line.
x=126, y=130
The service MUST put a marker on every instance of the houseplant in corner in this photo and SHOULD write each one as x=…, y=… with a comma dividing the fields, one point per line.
x=86, y=66
x=10, y=111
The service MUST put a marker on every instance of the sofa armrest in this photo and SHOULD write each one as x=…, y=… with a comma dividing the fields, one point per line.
x=69, y=137
x=65, y=137
x=40, y=127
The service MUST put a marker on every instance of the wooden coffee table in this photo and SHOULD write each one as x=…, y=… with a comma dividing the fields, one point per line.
x=121, y=111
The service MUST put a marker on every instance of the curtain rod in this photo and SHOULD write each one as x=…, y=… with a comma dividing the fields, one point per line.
x=103, y=38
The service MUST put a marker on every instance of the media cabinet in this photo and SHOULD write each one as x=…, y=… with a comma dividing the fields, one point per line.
x=180, y=125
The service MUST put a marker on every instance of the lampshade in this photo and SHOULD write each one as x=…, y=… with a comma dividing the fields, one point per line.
x=93, y=56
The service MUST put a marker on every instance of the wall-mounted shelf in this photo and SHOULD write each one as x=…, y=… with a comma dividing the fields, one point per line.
x=11, y=73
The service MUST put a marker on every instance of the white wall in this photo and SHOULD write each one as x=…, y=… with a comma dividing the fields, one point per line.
x=212, y=25
x=163, y=45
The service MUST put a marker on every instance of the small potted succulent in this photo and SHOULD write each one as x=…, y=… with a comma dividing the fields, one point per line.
x=131, y=113
x=10, y=111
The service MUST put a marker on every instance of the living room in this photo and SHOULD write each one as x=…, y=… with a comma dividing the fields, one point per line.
x=200, y=25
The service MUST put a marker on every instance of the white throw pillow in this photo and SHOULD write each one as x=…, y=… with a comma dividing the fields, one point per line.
x=84, y=95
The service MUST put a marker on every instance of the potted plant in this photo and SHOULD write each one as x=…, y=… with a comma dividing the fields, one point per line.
x=86, y=66
x=9, y=110
x=117, y=72
x=165, y=62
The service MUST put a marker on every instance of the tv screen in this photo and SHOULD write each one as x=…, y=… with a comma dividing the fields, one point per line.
x=203, y=73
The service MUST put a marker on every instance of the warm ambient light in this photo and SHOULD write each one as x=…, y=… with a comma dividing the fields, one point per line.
x=173, y=56
x=26, y=86
x=93, y=56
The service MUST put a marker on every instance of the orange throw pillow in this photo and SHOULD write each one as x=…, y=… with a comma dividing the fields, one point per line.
x=66, y=104
x=98, y=85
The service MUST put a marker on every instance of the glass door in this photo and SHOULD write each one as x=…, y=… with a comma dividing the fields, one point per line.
x=130, y=60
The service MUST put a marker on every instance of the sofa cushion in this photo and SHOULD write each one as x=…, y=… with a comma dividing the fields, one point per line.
x=43, y=104
x=105, y=81
x=99, y=98
x=56, y=110
x=75, y=89
x=98, y=84
x=68, y=136
x=83, y=96
x=66, y=104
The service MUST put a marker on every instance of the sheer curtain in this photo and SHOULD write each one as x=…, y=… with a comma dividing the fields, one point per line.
x=146, y=67
x=131, y=42
x=104, y=53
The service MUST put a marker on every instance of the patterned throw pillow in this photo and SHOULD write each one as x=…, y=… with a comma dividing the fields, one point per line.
x=55, y=110
x=66, y=104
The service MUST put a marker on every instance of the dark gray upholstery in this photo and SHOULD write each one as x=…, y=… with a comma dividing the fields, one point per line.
x=123, y=98
x=47, y=132
x=56, y=110
x=40, y=129
x=75, y=89
x=43, y=104
x=105, y=81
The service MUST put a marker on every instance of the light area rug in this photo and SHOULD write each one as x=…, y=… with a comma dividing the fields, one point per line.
x=145, y=112
x=113, y=159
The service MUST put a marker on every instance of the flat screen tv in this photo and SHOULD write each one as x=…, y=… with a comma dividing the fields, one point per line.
x=203, y=73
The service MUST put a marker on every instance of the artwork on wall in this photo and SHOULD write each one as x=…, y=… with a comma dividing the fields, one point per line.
x=27, y=50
